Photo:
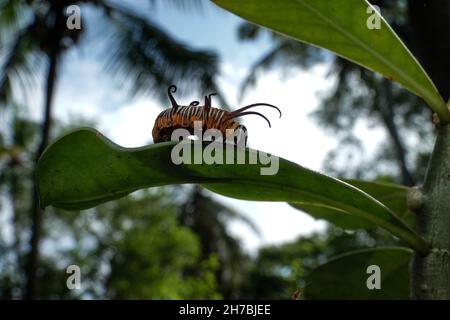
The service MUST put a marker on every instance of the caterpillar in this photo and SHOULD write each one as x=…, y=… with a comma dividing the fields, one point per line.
x=183, y=117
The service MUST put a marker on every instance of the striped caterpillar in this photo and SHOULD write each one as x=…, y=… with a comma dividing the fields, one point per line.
x=183, y=117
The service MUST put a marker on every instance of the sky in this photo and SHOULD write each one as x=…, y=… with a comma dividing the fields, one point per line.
x=84, y=89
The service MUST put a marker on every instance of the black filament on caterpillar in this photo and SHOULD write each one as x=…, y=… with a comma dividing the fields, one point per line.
x=183, y=117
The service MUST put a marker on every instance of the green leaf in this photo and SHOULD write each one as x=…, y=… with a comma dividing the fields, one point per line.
x=345, y=276
x=391, y=195
x=341, y=26
x=336, y=216
x=84, y=169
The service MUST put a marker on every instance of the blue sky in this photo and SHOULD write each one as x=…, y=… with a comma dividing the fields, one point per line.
x=85, y=89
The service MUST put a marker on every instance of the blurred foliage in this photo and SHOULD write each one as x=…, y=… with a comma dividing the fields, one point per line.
x=209, y=219
x=165, y=243
x=133, y=48
x=133, y=248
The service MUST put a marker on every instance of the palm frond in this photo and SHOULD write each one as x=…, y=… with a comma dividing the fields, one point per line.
x=149, y=60
x=263, y=63
x=248, y=31
x=11, y=14
x=227, y=213
x=19, y=64
x=286, y=53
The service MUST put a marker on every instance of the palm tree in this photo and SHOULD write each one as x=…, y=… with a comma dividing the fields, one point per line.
x=14, y=166
x=35, y=32
x=209, y=218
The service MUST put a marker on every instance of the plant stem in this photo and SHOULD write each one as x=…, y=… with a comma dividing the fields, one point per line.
x=431, y=273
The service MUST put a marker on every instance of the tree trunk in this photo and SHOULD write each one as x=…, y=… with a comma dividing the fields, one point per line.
x=388, y=118
x=430, y=22
x=383, y=104
x=431, y=274
x=36, y=211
